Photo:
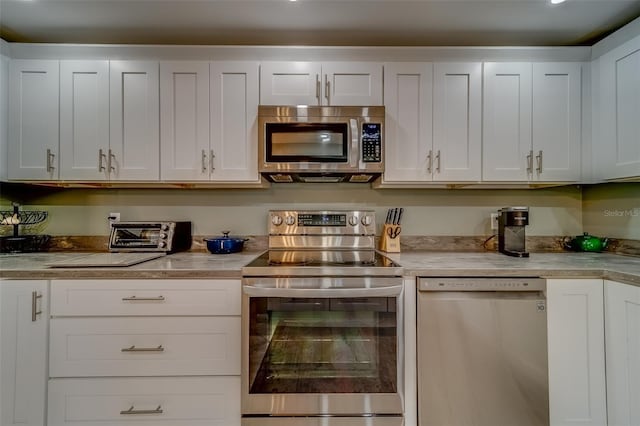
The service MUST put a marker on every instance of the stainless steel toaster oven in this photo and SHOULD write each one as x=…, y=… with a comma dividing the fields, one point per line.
x=164, y=237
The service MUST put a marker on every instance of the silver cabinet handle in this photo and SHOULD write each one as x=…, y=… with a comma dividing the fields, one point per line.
x=203, y=161
x=101, y=156
x=50, y=157
x=438, y=161
x=530, y=162
x=110, y=161
x=429, y=161
x=318, y=87
x=34, y=306
x=211, y=157
x=143, y=299
x=132, y=410
x=327, y=88
x=134, y=349
x=539, y=162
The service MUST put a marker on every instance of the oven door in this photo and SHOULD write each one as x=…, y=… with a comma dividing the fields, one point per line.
x=322, y=346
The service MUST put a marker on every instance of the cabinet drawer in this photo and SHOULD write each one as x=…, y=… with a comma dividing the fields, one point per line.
x=145, y=297
x=144, y=346
x=189, y=401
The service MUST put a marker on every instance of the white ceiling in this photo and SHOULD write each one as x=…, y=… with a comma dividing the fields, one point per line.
x=315, y=22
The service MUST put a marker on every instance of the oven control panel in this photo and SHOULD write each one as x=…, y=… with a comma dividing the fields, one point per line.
x=292, y=222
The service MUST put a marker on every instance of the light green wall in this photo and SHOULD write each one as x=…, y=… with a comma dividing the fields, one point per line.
x=555, y=211
x=612, y=210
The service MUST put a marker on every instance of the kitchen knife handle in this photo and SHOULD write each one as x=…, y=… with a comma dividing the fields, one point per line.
x=50, y=157
x=132, y=410
x=34, y=306
x=429, y=161
x=211, y=157
x=539, y=162
x=101, y=156
x=203, y=162
x=438, y=161
x=530, y=162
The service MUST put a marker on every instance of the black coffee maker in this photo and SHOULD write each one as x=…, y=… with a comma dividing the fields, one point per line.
x=511, y=236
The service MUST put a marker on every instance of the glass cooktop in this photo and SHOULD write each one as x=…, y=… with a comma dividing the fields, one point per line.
x=324, y=258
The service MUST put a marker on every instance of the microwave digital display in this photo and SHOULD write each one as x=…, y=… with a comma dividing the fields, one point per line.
x=313, y=142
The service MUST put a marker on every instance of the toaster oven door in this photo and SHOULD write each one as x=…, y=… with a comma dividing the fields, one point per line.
x=137, y=237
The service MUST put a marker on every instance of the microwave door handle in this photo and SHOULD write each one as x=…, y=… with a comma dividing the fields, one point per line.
x=355, y=158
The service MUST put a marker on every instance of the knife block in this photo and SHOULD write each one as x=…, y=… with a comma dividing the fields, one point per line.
x=390, y=238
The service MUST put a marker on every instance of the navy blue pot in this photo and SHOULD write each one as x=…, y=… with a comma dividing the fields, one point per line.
x=225, y=244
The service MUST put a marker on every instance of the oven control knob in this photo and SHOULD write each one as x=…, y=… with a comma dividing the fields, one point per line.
x=162, y=236
x=276, y=220
x=164, y=227
x=366, y=220
x=290, y=220
x=353, y=221
x=162, y=244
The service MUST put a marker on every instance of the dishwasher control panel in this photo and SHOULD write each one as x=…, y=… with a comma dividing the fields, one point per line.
x=481, y=284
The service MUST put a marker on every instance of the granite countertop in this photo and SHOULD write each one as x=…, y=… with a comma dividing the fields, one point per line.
x=548, y=265
x=418, y=263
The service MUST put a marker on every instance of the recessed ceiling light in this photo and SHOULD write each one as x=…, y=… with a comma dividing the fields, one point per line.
x=557, y=1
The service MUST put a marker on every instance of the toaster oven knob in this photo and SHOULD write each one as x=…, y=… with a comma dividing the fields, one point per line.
x=162, y=244
x=366, y=220
x=290, y=220
x=276, y=220
x=164, y=227
x=162, y=236
x=353, y=221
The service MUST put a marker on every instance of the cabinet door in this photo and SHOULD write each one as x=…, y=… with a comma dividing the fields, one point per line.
x=290, y=83
x=184, y=120
x=135, y=115
x=506, y=146
x=457, y=111
x=622, y=331
x=352, y=83
x=408, y=138
x=556, y=121
x=234, y=121
x=33, y=119
x=575, y=321
x=84, y=120
x=23, y=344
x=618, y=143
x=4, y=114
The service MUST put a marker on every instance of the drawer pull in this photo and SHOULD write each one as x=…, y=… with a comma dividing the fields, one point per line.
x=34, y=306
x=143, y=299
x=134, y=349
x=132, y=410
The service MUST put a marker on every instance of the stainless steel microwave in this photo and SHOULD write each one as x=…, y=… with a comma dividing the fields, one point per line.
x=321, y=144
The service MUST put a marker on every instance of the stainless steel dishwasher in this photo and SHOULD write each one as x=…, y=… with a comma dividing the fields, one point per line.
x=482, y=352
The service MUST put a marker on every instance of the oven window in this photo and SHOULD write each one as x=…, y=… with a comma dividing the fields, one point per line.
x=313, y=142
x=315, y=345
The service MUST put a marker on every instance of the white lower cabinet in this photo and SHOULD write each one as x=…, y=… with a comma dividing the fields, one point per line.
x=575, y=321
x=210, y=401
x=23, y=352
x=622, y=331
x=157, y=352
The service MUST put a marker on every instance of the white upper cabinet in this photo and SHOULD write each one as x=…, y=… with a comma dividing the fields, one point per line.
x=315, y=83
x=622, y=331
x=208, y=117
x=532, y=122
x=556, y=121
x=506, y=146
x=134, y=152
x=433, y=122
x=617, y=108
x=408, y=98
x=4, y=114
x=457, y=112
x=84, y=120
x=234, y=121
x=33, y=144
x=184, y=121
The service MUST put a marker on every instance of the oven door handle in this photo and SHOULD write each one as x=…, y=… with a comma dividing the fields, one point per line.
x=389, y=291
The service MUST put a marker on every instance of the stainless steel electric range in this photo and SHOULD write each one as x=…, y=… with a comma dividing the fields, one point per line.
x=322, y=325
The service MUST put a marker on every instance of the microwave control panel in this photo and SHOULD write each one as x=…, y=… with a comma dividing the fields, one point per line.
x=371, y=142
